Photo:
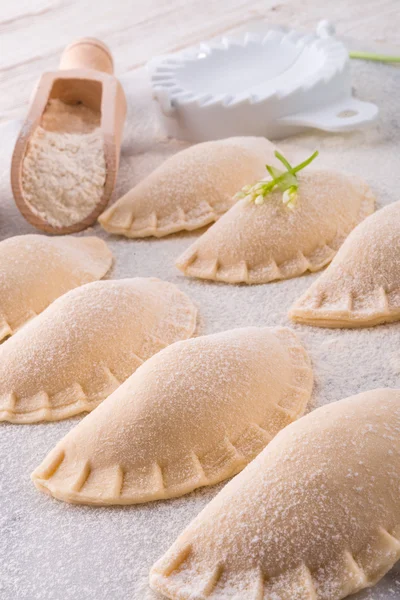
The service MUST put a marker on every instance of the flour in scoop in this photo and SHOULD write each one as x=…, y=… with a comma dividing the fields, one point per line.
x=64, y=169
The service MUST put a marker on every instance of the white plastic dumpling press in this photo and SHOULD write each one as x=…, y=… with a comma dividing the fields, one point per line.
x=275, y=84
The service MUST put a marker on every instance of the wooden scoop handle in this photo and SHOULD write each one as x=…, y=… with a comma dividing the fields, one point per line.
x=87, y=53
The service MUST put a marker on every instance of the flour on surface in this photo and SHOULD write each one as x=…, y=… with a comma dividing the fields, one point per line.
x=55, y=551
x=64, y=169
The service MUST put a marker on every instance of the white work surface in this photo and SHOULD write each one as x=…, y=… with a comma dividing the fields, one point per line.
x=53, y=551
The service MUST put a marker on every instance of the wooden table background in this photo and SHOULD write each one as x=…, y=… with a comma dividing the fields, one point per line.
x=33, y=33
x=51, y=551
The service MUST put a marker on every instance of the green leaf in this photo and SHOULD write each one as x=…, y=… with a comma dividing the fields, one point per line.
x=286, y=181
x=274, y=172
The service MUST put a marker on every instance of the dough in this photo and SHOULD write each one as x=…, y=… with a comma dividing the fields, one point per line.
x=191, y=189
x=35, y=270
x=316, y=516
x=259, y=243
x=362, y=285
x=83, y=346
x=193, y=415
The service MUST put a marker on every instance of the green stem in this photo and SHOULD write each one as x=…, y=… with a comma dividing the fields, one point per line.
x=283, y=160
x=305, y=163
x=376, y=57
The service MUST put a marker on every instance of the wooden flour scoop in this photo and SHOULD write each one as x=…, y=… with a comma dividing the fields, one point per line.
x=85, y=77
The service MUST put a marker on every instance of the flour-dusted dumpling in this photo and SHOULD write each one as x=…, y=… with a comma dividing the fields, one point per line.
x=85, y=344
x=191, y=189
x=316, y=516
x=193, y=415
x=35, y=270
x=259, y=243
x=362, y=285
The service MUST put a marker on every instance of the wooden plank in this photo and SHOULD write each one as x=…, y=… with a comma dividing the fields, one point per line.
x=34, y=33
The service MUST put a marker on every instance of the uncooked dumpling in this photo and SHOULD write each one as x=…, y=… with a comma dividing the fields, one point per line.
x=316, y=516
x=193, y=415
x=191, y=189
x=362, y=285
x=259, y=243
x=85, y=344
x=35, y=270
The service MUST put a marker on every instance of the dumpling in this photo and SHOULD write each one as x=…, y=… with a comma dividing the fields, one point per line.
x=361, y=287
x=316, y=516
x=191, y=189
x=35, y=270
x=259, y=243
x=193, y=415
x=85, y=344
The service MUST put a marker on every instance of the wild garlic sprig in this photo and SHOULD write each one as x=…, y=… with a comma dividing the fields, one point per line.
x=286, y=181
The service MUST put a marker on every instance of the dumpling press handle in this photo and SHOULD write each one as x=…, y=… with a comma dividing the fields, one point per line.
x=345, y=115
x=87, y=53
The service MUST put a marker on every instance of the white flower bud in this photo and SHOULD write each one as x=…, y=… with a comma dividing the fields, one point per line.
x=289, y=196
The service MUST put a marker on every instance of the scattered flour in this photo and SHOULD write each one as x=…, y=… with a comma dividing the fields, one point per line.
x=64, y=169
x=56, y=551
